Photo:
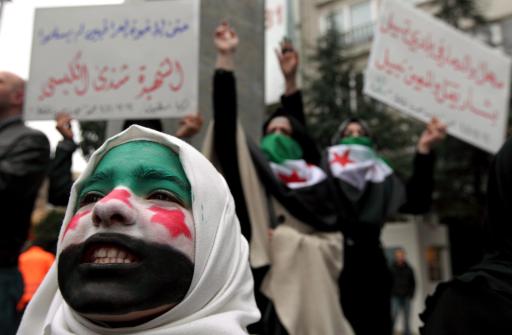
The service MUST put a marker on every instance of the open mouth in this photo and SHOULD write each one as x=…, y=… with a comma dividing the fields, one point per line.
x=108, y=254
x=107, y=249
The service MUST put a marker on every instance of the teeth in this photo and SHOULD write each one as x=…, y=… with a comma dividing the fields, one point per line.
x=112, y=253
x=111, y=256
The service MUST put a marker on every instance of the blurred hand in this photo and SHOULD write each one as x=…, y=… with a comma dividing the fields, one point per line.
x=288, y=59
x=434, y=133
x=225, y=39
x=63, y=125
x=190, y=125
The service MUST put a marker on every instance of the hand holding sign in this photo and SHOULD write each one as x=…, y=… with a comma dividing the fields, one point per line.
x=419, y=64
x=434, y=133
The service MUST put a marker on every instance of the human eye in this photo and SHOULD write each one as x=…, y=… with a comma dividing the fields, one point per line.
x=164, y=195
x=90, y=198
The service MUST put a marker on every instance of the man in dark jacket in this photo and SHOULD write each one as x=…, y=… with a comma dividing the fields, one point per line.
x=403, y=288
x=24, y=158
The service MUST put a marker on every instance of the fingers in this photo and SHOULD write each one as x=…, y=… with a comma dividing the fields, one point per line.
x=190, y=125
x=63, y=125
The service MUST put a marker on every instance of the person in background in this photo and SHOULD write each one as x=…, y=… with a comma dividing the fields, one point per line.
x=480, y=300
x=368, y=192
x=278, y=185
x=24, y=159
x=403, y=289
x=38, y=258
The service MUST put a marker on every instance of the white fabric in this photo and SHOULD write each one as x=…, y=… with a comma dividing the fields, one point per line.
x=302, y=174
x=220, y=299
x=362, y=165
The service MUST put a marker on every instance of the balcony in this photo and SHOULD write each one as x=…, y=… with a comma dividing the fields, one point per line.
x=359, y=35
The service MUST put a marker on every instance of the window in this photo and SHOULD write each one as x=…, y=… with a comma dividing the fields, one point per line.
x=360, y=14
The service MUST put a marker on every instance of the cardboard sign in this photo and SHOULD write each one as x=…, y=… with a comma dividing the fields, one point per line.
x=424, y=68
x=114, y=62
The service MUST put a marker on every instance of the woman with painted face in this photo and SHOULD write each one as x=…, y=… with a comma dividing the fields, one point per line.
x=277, y=184
x=480, y=300
x=368, y=192
x=150, y=244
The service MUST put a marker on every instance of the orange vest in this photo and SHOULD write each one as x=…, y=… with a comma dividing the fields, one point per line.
x=33, y=264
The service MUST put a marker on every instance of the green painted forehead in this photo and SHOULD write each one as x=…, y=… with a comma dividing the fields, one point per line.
x=141, y=166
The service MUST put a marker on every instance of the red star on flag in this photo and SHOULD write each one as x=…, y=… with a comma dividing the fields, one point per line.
x=292, y=178
x=343, y=159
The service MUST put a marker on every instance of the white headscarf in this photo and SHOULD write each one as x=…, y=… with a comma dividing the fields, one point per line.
x=220, y=299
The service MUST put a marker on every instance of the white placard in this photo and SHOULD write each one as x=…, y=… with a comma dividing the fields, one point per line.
x=115, y=62
x=275, y=31
x=423, y=67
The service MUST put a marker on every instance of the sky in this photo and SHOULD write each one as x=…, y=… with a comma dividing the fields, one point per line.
x=15, y=44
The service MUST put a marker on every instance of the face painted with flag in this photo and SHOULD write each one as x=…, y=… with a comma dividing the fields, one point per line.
x=133, y=224
x=355, y=162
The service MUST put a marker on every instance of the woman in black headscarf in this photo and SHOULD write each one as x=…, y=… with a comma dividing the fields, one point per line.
x=480, y=301
x=277, y=184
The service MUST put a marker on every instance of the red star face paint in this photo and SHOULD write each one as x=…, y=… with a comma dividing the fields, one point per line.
x=133, y=221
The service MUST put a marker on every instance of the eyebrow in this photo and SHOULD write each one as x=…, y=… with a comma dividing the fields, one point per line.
x=143, y=173
x=99, y=177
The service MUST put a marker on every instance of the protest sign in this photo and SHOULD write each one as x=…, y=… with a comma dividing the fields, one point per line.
x=114, y=62
x=424, y=68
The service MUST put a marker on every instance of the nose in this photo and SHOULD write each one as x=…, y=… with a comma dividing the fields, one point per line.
x=110, y=211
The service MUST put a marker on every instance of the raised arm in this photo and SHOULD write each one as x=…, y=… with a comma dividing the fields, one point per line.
x=291, y=100
x=225, y=117
x=420, y=186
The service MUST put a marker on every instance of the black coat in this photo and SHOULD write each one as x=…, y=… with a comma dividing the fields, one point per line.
x=24, y=159
x=403, y=280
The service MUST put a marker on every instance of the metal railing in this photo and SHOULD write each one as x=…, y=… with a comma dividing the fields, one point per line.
x=358, y=35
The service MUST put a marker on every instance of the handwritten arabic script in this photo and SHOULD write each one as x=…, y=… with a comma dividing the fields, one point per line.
x=108, y=29
x=136, y=60
x=80, y=79
x=424, y=68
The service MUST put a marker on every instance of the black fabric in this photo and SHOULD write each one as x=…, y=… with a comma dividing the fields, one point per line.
x=311, y=205
x=59, y=174
x=155, y=124
x=225, y=141
x=293, y=110
x=420, y=185
x=338, y=135
x=293, y=106
x=467, y=308
x=484, y=293
x=225, y=146
x=24, y=159
x=365, y=289
x=403, y=280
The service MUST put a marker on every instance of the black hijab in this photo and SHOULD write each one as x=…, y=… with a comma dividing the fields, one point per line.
x=311, y=153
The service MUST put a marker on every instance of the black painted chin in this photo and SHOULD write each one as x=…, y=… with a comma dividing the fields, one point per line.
x=160, y=276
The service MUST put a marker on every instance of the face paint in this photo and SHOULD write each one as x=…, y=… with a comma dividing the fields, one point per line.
x=172, y=220
x=74, y=221
x=119, y=194
x=133, y=222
